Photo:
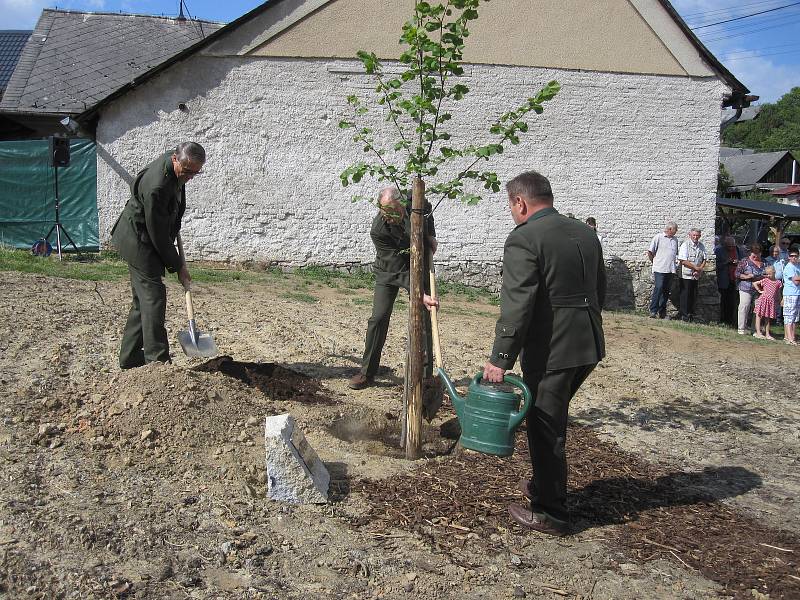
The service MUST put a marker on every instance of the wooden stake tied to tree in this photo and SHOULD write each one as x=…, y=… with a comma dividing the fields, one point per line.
x=415, y=104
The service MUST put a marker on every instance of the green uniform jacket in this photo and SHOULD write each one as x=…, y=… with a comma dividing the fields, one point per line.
x=145, y=232
x=554, y=287
x=392, y=255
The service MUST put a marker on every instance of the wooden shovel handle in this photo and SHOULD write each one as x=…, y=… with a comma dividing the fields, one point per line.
x=437, y=348
x=189, y=306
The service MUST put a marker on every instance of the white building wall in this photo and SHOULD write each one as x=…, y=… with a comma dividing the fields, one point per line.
x=631, y=150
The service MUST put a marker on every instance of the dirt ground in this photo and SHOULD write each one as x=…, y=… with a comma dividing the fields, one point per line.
x=150, y=483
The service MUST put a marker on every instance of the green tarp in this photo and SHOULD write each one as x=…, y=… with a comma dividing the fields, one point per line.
x=27, y=195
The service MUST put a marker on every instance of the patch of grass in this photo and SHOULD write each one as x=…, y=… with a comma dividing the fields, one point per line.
x=346, y=291
x=473, y=294
x=90, y=267
x=361, y=301
x=358, y=279
x=301, y=297
x=107, y=266
x=712, y=329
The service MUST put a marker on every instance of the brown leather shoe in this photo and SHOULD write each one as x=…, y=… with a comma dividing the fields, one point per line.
x=359, y=381
x=524, y=487
x=526, y=518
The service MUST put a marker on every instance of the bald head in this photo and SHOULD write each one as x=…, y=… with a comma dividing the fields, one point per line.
x=391, y=205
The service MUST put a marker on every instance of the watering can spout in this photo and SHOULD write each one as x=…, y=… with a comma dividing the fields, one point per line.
x=458, y=401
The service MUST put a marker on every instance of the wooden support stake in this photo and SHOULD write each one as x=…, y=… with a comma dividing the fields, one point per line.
x=415, y=315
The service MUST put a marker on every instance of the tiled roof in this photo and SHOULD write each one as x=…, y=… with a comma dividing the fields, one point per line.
x=748, y=169
x=75, y=59
x=789, y=190
x=11, y=45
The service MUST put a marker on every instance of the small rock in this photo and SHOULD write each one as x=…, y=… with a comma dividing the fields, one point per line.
x=264, y=550
x=164, y=571
x=243, y=436
x=46, y=429
x=146, y=434
x=519, y=592
x=252, y=421
x=409, y=587
x=411, y=576
x=226, y=547
x=516, y=560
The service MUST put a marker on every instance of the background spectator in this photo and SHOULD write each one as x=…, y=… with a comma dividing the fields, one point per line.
x=748, y=270
x=692, y=258
x=728, y=257
x=791, y=296
x=769, y=288
x=662, y=253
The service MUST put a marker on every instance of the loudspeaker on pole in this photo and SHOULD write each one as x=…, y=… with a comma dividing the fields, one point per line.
x=59, y=151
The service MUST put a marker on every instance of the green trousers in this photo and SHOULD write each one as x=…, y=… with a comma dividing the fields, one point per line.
x=547, y=437
x=145, y=337
x=378, y=327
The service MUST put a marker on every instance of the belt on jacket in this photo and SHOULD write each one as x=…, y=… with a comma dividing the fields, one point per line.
x=579, y=300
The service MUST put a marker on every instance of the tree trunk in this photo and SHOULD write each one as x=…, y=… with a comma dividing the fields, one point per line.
x=415, y=315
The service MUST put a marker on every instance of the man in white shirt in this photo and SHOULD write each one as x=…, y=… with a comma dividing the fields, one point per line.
x=692, y=258
x=662, y=252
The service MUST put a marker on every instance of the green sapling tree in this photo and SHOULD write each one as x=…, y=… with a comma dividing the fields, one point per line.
x=416, y=105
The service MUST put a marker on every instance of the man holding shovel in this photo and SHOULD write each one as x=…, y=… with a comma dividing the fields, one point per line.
x=144, y=236
x=554, y=286
x=391, y=234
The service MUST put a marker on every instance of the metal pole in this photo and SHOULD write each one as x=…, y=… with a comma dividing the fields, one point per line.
x=58, y=215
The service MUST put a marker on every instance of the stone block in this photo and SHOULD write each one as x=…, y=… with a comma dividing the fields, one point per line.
x=294, y=471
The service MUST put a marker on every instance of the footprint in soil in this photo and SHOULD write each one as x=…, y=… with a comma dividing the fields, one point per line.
x=275, y=381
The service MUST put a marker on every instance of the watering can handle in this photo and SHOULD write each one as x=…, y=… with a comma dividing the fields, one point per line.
x=527, y=399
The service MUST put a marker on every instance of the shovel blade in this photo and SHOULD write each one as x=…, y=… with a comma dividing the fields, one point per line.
x=431, y=397
x=204, y=347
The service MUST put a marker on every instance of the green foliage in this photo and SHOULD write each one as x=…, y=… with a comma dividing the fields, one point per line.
x=301, y=297
x=724, y=180
x=91, y=269
x=107, y=266
x=357, y=279
x=414, y=103
x=776, y=128
x=758, y=195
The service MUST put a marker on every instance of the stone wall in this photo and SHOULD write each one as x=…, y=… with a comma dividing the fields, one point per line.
x=631, y=150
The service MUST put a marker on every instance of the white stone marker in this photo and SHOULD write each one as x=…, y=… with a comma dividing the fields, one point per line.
x=294, y=471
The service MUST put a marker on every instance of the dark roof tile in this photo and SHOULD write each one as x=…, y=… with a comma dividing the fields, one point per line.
x=74, y=59
x=12, y=42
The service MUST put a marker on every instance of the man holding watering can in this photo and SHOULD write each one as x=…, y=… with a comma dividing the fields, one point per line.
x=554, y=287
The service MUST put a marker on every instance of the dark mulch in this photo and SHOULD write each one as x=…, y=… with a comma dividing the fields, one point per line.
x=279, y=383
x=654, y=512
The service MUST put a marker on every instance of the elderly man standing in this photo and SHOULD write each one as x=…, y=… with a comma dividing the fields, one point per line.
x=692, y=258
x=391, y=235
x=144, y=236
x=662, y=253
x=554, y=286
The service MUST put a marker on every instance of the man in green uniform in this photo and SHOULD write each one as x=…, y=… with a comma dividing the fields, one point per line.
x=554, y=287
x=391, y=234
x=144, y=236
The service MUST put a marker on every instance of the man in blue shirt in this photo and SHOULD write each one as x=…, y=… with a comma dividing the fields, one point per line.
x=791, y=295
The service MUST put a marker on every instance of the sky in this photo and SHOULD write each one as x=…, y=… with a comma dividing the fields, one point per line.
x=762, y=51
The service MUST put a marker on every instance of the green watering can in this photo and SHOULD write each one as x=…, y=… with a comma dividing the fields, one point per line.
x=488, y=416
